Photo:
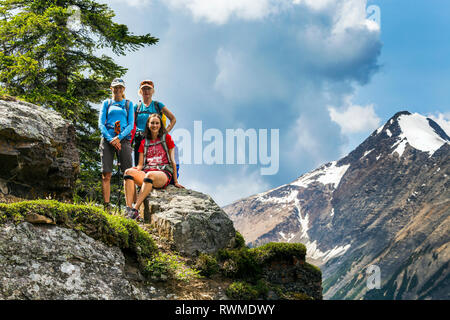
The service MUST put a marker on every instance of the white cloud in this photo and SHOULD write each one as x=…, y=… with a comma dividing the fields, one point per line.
x=220, y=11
x=132, y=3
x=353, y=118
x=346, y=13
x=352, y=14
x=240, y=185
x=443, y=120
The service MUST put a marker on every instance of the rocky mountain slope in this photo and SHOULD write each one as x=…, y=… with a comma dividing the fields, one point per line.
x=53, y=250
x=386, y=204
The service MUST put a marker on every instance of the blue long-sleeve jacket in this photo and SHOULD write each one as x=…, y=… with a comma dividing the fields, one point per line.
x=117, y=111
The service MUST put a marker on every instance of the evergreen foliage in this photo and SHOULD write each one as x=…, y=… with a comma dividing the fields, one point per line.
x=50, y=56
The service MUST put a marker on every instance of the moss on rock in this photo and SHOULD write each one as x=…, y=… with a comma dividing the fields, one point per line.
x=93, y=221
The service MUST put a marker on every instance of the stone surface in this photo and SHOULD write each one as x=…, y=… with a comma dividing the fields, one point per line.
x=192, y=220
x=50, y=262
x=37, y=151
x=293, y=276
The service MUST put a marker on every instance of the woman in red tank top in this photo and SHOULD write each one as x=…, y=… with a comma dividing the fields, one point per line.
x=156, y=170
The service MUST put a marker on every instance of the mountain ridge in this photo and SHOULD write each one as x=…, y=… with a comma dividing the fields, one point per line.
x=353, y=211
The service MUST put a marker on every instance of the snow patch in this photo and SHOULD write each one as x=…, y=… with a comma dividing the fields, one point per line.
x=419, y=134
x=312, y=249
x=281, y=200
x=326, y=174
x=388, y=132
x=314, y=252
x=401, y=145
x=287, y=239
x=367, y=152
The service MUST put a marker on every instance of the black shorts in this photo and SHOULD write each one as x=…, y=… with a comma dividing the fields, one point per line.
x=107, y=152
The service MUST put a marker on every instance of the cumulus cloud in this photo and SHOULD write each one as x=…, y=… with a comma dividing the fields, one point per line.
x=257, y=64
x=220, y=11
x=133, y=3
x=345, y=13
x=354, y=118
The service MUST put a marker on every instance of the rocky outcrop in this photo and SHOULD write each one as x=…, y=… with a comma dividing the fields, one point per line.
x=54, y=250
x=37, y=151
x=385, y=204
x=192, y=220
x=51, y=262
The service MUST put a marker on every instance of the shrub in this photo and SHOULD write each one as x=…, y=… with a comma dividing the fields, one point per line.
x=207, y=265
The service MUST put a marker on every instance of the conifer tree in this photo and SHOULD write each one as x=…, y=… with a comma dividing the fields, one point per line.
x=49, y=55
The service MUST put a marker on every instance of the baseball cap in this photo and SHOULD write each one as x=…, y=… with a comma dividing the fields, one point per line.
x=146, y=83
x=118, y=82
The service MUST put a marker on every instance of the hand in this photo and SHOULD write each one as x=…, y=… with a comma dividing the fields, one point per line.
x=176, y=184
x=115, y=142
x=140, y=168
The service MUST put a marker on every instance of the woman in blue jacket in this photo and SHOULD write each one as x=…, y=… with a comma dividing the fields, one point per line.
x=115, y=112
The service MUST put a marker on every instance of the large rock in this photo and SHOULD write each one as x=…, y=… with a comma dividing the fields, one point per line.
x=37, y=151
x=51, y=262
x=192, y=220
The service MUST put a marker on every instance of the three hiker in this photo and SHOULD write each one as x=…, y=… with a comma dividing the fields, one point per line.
x=154, y=150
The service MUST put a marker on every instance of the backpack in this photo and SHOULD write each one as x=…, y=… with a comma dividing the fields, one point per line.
x=158, y=110
x=110, y=102
x=166, y=167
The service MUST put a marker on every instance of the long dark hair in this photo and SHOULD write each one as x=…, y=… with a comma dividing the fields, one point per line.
x=162, y=129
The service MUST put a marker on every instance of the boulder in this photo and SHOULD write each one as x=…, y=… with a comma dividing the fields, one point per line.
x=41, y=261
x=37, y=152
x=192, y=220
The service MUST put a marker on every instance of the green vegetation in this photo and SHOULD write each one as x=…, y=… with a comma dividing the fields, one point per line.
x=240, y=241
x=49, y=56
x=241, y=290
x=112, y=230
x=165, y=266
x=207, y=265
x=247, y=265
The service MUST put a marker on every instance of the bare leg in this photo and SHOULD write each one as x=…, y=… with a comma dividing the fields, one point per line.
x=159, y=180
x=130, y=185
x=106, y=186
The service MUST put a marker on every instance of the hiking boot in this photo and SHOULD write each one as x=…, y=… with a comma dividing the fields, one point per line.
x=132, y=214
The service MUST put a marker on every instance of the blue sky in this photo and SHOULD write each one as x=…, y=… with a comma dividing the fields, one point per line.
x=325, y=73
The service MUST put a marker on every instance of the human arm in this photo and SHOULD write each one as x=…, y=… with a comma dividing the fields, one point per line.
x=171, y=118
x=130, y=122
x=102, y=122
x=174, y=166
x=140, y=165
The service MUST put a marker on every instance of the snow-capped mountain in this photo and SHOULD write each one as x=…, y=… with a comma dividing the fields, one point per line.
x=386, y=203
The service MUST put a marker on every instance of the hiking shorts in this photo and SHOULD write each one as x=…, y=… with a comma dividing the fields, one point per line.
x=107, y=152
x=168, y=174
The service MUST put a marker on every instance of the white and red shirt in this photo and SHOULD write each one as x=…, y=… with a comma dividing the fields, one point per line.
x=156, y=155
